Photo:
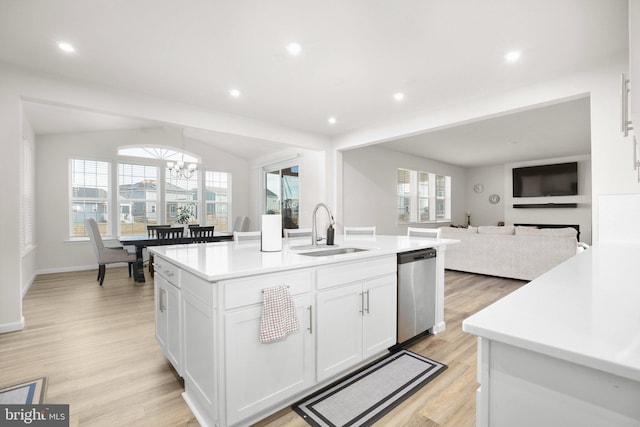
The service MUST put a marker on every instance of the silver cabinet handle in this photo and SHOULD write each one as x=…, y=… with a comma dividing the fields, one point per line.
x=367, y=292
x=163, y=306
x=625, y=124
x=361, y=311
x=310, y=328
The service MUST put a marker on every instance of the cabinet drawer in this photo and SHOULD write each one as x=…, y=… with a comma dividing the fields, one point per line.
x=355, y=271
x=199, y=288
x=167, y=270
x=247, y=291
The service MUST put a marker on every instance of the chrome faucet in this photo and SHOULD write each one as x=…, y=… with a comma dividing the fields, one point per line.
x=314, y=231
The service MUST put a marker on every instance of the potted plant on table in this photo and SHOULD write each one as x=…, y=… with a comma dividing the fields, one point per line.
x=184, y=216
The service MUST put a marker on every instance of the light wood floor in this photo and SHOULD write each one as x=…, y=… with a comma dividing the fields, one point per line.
x=97, y=347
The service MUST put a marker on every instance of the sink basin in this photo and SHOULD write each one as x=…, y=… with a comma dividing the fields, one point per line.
x=330, y=252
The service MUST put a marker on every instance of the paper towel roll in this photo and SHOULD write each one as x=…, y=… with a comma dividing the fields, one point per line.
x=271, y=233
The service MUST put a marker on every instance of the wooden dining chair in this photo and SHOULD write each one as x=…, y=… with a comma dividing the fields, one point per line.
x=170, y=234
x=201, y=234
x=152, y=234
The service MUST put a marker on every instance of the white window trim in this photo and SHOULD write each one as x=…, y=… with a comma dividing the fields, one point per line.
x=414, y=188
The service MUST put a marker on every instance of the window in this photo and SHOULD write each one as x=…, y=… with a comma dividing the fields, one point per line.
x=217, y=186
x=146, y=193
x=137, y=197
x=179, y=192
x=89, y=195
x=423, y=197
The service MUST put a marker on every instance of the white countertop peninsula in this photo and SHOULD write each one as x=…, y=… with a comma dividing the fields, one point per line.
x=565, y=348
x=209, y=304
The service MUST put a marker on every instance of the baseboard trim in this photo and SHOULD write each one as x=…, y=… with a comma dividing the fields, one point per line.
x=75, y=268
x=29, y=283
x=12, y=327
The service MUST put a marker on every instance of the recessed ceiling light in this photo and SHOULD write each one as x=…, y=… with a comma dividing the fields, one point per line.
x=398, y=96
x=294, y=48
x=332, y=120
x=512, y=56
x=66, y=47
x=235, y=93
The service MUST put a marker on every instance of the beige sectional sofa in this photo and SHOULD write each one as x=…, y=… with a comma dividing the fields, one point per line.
x=516, y=252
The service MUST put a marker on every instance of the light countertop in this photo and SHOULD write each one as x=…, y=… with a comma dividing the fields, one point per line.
x=586, y=311
x=225, y=260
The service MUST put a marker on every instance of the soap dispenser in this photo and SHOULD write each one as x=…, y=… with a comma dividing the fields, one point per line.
x=330, y=234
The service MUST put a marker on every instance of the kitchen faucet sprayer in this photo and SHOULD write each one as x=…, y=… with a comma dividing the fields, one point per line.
x=314, y=231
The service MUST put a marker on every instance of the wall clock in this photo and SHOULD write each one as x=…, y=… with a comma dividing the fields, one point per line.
x=478, y=188
x=494, y=199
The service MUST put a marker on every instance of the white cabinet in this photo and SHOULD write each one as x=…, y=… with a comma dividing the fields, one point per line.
x=169, y=320
x=634, y=63
x=355, y=322
x=260, y=375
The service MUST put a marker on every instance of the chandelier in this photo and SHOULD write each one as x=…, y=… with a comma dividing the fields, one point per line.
x=179, y=169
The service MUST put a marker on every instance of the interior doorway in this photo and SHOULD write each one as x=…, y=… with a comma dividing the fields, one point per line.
x=282, y=195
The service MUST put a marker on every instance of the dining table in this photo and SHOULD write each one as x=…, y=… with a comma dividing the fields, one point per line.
x=142, y=241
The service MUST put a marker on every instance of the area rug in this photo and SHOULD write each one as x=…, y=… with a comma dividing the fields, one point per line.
x=364, y=397
x=26, y=393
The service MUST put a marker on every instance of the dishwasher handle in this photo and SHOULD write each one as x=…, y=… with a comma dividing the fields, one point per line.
x=420, y=254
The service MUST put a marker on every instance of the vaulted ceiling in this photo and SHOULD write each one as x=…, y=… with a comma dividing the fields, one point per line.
x=354, y=55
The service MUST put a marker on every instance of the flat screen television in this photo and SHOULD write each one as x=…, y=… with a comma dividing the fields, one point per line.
x=560, y=179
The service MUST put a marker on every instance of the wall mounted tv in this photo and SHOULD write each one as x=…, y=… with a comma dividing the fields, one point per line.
x=546, y=180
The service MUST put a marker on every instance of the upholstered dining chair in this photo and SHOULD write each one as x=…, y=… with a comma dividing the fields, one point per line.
x=246, y=236
x=295, y=233
x=433, y=233
x=199, y=234
x=106, y=255
x=360, y=231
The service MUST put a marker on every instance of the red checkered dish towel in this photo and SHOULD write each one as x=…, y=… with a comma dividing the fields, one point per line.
x=278, y=314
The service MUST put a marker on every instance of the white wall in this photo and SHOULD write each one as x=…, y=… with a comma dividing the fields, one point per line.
x=369, y=190
x=55, y=251
x=492, y=179
x=580, y=215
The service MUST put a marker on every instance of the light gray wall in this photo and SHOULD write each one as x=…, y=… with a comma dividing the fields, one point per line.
x=370, y=188
x=482, y=211
x=580, y=215
x=54, y=250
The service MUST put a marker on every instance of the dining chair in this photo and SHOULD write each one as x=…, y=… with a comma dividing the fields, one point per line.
x=241, y=224
x=199, y=234
x=246, y=236
x=106, y=255
x=360, y=231
x=152, y=234
x=433, y=233
x=295, y=233
x=169, y=234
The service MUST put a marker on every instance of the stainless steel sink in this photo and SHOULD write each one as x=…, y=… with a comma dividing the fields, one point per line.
x=330, y=252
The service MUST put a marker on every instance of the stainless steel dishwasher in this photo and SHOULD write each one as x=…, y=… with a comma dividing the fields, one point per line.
x=416, y=293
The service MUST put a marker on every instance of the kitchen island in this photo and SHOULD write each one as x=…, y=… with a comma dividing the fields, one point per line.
x=209, y=305
x=564, y=350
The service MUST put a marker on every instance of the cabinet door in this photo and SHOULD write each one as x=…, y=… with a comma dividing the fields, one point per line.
x=380, y=318
x=174, y=326
x=169, y=321
x=259, y=374
x=199, y=363
x=339, y=320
